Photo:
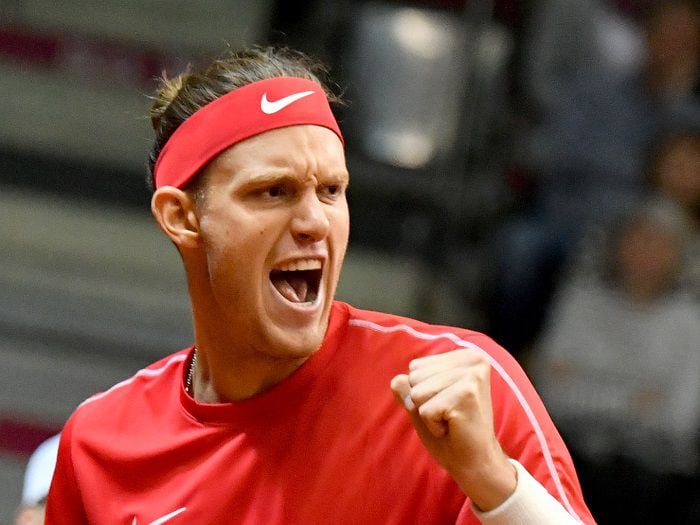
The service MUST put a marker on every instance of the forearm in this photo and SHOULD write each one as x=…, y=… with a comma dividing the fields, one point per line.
x=491, y=483
x=530, y=504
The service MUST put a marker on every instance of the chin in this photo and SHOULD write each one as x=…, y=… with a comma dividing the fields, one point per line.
x=288, y=343
x=293, y=329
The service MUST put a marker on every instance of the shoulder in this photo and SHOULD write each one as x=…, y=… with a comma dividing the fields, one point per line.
x=521, y=422
x=136, y=390
x=416, y=336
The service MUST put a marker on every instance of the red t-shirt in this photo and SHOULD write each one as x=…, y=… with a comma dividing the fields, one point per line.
x=328, y=445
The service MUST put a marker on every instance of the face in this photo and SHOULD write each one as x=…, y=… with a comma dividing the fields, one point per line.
x=678, y=171
x=648, y=258
x=674, y=37
x=274, y=226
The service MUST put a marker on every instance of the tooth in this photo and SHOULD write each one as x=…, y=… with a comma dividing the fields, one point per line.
x=303, y=264
x=310, y=264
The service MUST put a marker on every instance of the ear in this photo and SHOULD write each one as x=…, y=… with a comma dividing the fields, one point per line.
x=174, y=210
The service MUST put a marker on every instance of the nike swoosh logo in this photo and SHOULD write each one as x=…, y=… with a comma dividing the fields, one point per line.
x=269, y=107
x=163, y=519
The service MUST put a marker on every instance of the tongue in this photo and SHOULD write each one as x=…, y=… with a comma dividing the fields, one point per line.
x=294, y=288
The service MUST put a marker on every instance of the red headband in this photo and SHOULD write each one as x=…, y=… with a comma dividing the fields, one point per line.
x=238, y=115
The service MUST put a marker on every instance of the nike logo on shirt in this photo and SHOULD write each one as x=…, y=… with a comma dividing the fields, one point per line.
x=163, y=519
x=269, y=107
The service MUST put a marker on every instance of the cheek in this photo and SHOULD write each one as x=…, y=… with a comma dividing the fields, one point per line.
x=341, y=223
x=231, y=253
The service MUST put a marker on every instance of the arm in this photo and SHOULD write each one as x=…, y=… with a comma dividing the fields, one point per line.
x=530, y=503
x=64, y=504
x=448, y=397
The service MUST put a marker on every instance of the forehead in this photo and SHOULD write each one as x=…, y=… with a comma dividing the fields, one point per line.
x=305, y=147
x=304, y=153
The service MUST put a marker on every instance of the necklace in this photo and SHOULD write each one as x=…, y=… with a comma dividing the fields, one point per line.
x=190, y=374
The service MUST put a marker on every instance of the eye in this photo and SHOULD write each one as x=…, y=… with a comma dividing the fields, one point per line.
x=274, y=191
x=332, y=191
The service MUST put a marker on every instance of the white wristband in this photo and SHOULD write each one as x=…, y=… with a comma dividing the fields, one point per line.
x=530, y=504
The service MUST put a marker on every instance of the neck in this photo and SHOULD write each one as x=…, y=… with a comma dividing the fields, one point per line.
x=222, y=378
x=231, y=367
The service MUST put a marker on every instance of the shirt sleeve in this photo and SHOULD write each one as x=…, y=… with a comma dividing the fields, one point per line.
x=64, y=504
x=530, y=504
x=528, y=435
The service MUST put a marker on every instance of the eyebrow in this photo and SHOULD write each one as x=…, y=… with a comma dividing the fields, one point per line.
x=281, y=176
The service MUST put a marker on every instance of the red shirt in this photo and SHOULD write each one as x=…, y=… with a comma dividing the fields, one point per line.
x=327, y=445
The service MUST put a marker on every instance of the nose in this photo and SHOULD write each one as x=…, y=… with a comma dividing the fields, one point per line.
x=310, y=222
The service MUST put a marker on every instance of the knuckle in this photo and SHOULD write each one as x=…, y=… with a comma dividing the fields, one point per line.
x=468, y=391
x=420, y=394
x=427, y=411
x=413, y=364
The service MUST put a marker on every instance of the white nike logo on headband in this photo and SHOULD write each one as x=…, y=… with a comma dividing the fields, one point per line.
x=269, y=108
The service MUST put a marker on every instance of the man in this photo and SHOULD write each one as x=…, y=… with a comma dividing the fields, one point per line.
x=282, y=411
x=37, y=479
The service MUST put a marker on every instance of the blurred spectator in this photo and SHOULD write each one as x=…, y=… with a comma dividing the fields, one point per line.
x=600, y=88
x=673, y=58
x=618, y=365
x=675, y=173
x=37, y=479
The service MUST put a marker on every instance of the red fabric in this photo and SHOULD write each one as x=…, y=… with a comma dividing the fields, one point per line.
x=236, y=116
x=329, y=445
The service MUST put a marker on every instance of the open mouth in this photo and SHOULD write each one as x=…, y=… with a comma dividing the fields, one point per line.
x=298, y=282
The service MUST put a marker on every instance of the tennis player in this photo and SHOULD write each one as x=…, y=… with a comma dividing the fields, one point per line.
x=291, y=407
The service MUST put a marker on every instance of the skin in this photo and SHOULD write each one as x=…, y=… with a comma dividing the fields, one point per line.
x=678, y=171
x=674, y=48
x=648, y=258
x=30, y=515
x=448, y=397
x=280, y=197
x=275, y=198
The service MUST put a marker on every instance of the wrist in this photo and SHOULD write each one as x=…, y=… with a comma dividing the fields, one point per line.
x=530, y=503
x=489, y=485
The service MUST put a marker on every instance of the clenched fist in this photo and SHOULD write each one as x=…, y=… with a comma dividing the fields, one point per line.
x=448, y=397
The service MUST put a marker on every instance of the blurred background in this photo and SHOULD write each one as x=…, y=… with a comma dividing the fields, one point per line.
x=497, y=151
